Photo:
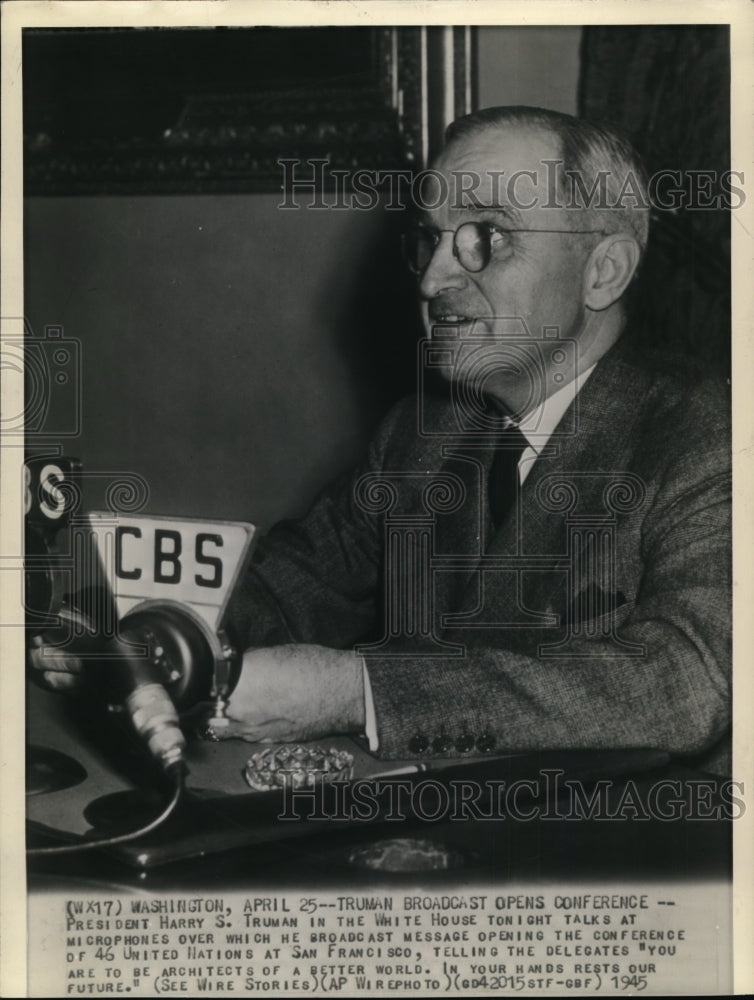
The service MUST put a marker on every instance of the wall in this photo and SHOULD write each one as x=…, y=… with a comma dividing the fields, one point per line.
x=234, y=355
x=532, y=65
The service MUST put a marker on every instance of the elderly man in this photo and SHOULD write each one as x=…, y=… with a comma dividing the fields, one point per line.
x=539, y=558
x=595, y=610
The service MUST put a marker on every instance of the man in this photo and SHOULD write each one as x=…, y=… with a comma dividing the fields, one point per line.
x=582, y=602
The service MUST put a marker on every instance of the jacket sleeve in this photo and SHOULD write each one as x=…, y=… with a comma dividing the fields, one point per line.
x=316, y=580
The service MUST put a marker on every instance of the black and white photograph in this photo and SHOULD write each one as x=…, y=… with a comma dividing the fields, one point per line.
x=375, y=525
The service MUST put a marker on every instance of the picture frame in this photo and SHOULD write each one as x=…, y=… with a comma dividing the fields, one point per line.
x=173, y=126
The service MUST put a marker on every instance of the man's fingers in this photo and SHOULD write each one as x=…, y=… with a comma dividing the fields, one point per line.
x=53, y=668
x=60, y=681
x=61, y=665
x=269, y=731
x=47, y=660
x=228, y=729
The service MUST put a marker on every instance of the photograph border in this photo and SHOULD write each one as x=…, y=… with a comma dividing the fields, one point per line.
x=738, y=13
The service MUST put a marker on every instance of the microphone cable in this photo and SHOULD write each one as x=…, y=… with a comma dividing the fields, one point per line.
x=81, y=844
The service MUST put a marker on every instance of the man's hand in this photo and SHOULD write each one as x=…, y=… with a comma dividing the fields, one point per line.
x=53, y=667
x=296, y=692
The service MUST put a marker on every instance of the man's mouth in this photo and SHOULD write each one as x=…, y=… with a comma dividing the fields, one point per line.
x=455, y=318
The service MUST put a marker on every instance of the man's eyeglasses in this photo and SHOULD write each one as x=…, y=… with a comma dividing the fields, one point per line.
x=474, y=243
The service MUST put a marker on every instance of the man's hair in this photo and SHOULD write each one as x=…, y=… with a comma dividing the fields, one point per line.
x=595, y=159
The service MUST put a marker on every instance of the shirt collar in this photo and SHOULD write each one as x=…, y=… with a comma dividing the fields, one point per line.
x=538, y=425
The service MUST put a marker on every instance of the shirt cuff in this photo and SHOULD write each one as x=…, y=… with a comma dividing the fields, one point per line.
x=370, y=717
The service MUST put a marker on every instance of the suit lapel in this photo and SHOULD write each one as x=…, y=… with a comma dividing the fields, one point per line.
x=603, y=417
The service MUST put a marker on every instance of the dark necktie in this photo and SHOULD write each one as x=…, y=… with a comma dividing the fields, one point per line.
x=502, y=485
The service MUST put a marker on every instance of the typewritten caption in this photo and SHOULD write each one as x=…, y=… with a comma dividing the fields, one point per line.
x=610, y=940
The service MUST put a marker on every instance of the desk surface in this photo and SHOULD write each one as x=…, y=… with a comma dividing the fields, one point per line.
x=239, y=840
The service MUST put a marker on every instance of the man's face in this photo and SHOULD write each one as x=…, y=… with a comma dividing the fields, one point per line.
x=534, y=277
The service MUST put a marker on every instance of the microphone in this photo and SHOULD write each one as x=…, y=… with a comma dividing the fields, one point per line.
x=114, y=669
x=152, y=712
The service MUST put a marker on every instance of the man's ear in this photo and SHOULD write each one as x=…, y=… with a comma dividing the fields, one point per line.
x=610, y=267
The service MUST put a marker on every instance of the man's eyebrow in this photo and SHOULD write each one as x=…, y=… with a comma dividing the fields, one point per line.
x=507, y=210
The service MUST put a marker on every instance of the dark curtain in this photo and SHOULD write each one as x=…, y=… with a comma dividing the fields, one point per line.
x=668, y=88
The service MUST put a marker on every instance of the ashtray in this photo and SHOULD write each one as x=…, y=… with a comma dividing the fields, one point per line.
x=301, y=767
x=405, y=854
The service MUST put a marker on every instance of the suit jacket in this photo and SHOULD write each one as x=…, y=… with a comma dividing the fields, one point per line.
x=598, y=615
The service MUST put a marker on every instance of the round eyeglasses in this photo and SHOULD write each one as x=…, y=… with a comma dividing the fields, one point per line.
x=474, y=243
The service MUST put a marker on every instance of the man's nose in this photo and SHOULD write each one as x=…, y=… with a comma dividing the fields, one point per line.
x=444, y=272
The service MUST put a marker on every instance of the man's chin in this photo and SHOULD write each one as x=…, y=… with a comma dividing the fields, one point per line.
x=506, y=394
x=444, y=374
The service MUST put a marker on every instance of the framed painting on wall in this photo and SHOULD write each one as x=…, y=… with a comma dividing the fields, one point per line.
x=213, y=110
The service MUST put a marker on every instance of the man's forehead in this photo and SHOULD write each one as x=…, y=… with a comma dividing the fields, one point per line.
x=477, y=168
x=500, y=147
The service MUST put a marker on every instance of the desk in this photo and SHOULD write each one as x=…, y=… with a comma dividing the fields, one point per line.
x=228, y=846
x=244, y=843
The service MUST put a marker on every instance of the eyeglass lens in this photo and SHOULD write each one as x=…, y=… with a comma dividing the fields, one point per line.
x=471, y=245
